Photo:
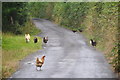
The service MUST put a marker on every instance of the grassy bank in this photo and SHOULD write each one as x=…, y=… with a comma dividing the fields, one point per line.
x=0, y=54
x=14, y=48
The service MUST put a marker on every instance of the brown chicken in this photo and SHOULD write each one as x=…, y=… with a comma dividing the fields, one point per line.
x=40, y=62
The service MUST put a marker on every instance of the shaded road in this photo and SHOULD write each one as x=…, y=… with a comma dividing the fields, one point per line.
x=67, y=56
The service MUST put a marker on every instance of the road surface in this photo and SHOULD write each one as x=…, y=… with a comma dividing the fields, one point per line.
x=67, y=56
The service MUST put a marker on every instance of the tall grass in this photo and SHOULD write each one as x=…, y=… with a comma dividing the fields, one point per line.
x=15, y=48
x=0, y=54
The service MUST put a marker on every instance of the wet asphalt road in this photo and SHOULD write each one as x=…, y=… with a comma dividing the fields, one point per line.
x=67, y=56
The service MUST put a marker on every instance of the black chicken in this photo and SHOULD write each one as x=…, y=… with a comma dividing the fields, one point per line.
x=80, y=30
x=92, y=42
x=35, y=40
x=45, y=39
x=74, y=31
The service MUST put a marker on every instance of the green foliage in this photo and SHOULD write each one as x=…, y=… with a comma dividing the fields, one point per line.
x=30, y=28
x=16, y=10
x=71, y=14
x=37, y=9
x=14, y=16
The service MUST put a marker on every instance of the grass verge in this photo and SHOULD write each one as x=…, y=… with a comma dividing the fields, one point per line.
x=0, y=54
x=14, y=48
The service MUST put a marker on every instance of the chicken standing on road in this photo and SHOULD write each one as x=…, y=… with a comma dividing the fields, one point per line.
x=45, y=39
x=40, y=62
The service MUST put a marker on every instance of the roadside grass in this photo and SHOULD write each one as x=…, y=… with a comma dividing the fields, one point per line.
x=105, y=36
x=0, y=54
x=14, y=49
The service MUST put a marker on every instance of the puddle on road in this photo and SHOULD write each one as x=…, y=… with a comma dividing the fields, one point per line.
x=82, y=42
x=29, y=63
x=54, y=44
x=55, y=48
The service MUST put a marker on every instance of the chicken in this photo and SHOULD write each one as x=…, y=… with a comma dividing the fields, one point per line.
x=45, y=39
x=27, y=37
x=40, y=62
x=92, y=42
x=74, y=31
x=35, y=40
x=80, y=30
